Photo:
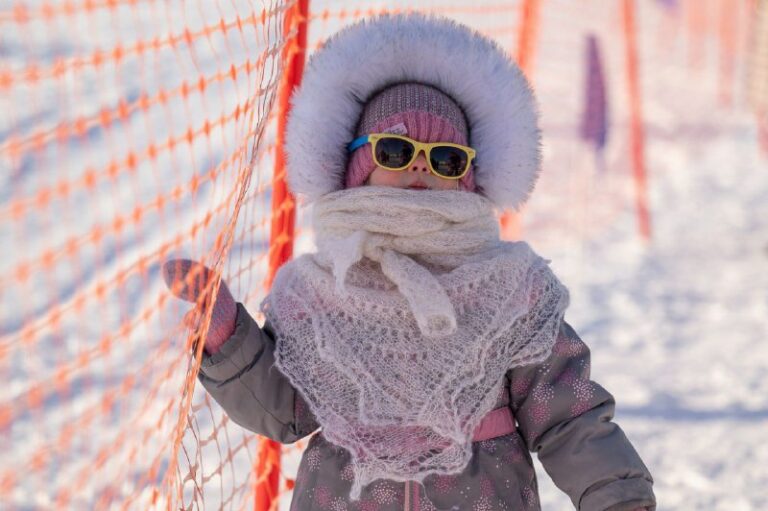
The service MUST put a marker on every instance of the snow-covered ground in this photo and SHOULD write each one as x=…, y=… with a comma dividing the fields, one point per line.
x=677, y=324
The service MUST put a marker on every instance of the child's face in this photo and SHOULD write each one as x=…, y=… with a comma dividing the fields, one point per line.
x=417, y=176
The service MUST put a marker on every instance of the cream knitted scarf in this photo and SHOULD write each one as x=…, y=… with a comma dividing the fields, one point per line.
x=399, y=330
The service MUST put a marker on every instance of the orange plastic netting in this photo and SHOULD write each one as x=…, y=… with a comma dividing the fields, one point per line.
x=133, y=131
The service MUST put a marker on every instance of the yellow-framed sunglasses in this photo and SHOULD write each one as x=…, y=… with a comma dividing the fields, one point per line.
x=396, y=152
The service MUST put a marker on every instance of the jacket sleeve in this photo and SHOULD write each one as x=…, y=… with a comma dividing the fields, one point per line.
x=566, y=419
x=241, y=377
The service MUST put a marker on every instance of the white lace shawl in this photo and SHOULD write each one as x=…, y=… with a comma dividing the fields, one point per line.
x=399, y=330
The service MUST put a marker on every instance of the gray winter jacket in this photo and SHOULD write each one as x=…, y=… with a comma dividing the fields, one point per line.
x=560, y=413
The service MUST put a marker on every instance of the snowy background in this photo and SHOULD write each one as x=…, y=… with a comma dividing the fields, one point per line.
x=678, y=327
x=677, y=324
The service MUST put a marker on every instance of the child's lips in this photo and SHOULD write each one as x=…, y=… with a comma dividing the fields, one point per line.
x=418, y=185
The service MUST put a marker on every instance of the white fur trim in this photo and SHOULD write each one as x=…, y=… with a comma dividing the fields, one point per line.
x=367, y=56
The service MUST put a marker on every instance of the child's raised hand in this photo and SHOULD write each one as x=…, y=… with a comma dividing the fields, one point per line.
x=189, y=280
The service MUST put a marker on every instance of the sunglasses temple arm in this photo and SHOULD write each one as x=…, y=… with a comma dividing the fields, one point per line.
x=357, y=143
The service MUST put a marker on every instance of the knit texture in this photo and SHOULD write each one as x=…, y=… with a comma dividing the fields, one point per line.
x=415, y=110
x=398, y=333
x=405, y=97
x=188, y=280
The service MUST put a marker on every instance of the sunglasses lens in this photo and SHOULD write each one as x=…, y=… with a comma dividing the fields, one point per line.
x=448, y=161
x=393, y=153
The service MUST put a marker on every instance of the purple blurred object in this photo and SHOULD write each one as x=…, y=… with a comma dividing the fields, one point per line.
x=669, y=4
x=594, y=121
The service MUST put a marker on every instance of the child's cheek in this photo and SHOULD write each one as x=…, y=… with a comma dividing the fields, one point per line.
x=382, y=177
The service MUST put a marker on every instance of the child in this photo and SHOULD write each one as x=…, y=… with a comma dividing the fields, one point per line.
x=433, y=355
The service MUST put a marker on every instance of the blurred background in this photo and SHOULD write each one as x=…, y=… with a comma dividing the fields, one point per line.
x=132, y=131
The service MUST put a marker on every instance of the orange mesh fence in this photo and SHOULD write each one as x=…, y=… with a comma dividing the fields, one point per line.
x=130, y=130
x=133, y=131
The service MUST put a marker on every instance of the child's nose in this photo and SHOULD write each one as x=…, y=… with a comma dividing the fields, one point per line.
x=420, y=163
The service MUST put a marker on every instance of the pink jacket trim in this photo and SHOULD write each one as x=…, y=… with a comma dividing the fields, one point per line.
x=498, y=422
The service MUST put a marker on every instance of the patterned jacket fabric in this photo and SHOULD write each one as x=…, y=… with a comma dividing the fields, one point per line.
x=561, y=415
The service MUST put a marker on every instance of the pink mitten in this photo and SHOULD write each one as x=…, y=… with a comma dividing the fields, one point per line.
x=188, y=280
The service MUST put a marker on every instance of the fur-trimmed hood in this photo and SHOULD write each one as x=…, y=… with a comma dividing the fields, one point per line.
x=368, y=56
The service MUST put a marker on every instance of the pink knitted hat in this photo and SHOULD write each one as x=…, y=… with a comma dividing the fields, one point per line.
x=415, y=110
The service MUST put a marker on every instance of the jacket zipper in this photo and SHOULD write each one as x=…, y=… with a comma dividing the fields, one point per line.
x=411, y=501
